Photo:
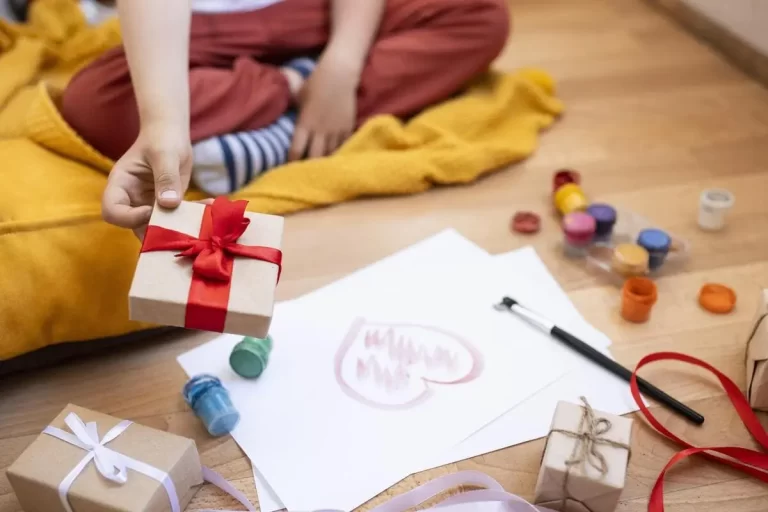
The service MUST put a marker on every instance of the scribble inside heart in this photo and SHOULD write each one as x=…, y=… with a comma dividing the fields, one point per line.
x=394, y=365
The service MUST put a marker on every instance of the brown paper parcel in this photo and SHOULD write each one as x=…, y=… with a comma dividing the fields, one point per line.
x=36, y=475
x=757, y=356
x=581, y=444
x=161, y=283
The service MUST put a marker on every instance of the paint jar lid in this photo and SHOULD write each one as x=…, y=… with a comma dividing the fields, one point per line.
x=249, y=357
x=197, y=386
x=654, y=240
x=603, y=213
x=717, y=298
x=526, y=222
x=717, y=199
x=579, y=225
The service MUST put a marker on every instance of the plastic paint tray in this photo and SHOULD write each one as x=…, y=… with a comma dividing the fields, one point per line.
x=628, y=226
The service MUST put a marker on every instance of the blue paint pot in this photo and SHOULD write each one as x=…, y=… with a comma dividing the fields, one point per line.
x=208, y=397
x=657, y=243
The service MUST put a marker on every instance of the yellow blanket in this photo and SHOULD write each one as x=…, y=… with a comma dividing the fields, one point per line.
x=71, y=271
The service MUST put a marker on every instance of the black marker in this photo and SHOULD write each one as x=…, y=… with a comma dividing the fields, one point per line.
x=598, y=357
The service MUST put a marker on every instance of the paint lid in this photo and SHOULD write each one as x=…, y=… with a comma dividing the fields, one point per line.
x=603, y=213
x=654, y=240
x=249, y=357
x=717, y=298
x=197, y=386
x=579, y=225
x=526, y=222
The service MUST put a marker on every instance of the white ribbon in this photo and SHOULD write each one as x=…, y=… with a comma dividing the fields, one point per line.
x=114, y=466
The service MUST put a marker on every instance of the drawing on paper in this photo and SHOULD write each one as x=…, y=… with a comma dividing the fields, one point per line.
x=395, y=366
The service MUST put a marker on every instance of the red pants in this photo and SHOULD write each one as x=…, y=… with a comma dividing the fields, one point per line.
x=426, y=50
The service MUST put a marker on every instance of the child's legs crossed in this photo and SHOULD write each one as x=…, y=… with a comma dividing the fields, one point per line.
x=100, y=105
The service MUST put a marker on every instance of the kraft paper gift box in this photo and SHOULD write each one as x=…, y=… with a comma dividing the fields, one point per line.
x=585, y=460
x=39, y=473
x=757, y=356
x=225, y=277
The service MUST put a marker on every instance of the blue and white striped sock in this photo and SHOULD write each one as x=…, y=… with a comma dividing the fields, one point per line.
x=226, y=163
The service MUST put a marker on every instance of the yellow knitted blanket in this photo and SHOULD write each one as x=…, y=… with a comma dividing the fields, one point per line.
x=72, y=271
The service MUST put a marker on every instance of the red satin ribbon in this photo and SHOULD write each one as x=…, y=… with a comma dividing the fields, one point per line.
x=751, y=462
x=214, y=251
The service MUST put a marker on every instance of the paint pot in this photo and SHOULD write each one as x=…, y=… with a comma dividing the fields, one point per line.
x=629, y=260
x=714, y=205
x=564, y=176
x=249, y=357
x=570, y=198
x=605, y=219
x=210, y=401
x=579, y=230
x=638, y=295
x=657, y=243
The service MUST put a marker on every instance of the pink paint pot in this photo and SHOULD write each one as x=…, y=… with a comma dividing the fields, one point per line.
x=579, y=230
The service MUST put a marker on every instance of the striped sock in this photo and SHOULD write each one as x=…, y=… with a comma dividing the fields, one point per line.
x=226, y=163
x=304, y=65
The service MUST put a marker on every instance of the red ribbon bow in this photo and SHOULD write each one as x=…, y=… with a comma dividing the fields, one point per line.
x=214, y=251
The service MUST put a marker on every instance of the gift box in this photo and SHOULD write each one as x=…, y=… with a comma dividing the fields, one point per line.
x=585, y=460
x=208, y=267
x=757, y=356
x=85, y=461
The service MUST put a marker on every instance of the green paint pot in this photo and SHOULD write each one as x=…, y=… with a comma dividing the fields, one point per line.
x=249, y=357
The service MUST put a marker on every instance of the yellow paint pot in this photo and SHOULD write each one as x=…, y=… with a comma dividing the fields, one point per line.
x=570, y=198
x=630, y=260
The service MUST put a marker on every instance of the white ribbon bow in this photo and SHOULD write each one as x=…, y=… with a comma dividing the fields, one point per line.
x=110, y=464
x=114, y=466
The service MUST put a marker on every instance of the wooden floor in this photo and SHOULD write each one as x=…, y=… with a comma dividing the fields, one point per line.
x=653, y=117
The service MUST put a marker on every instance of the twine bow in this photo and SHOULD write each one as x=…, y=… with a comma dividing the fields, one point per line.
x=589, y=437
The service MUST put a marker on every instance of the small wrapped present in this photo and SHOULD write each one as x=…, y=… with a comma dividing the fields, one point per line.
x=585, y=460
x=85, y=461
x=757, y=356
x=209, y=267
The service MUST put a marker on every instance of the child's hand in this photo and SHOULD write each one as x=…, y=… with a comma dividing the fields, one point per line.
x=328, y=108
x=157, y=166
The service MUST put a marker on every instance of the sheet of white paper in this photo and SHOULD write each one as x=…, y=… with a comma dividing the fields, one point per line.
x=524, y=276
x=448, y=246
x=368, y=380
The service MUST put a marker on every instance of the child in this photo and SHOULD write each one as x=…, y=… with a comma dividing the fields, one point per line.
x=254, y=83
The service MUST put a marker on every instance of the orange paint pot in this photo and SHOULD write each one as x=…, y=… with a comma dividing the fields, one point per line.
x=638, y=296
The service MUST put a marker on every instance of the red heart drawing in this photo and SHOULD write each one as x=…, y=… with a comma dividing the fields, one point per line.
x=391, y=366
